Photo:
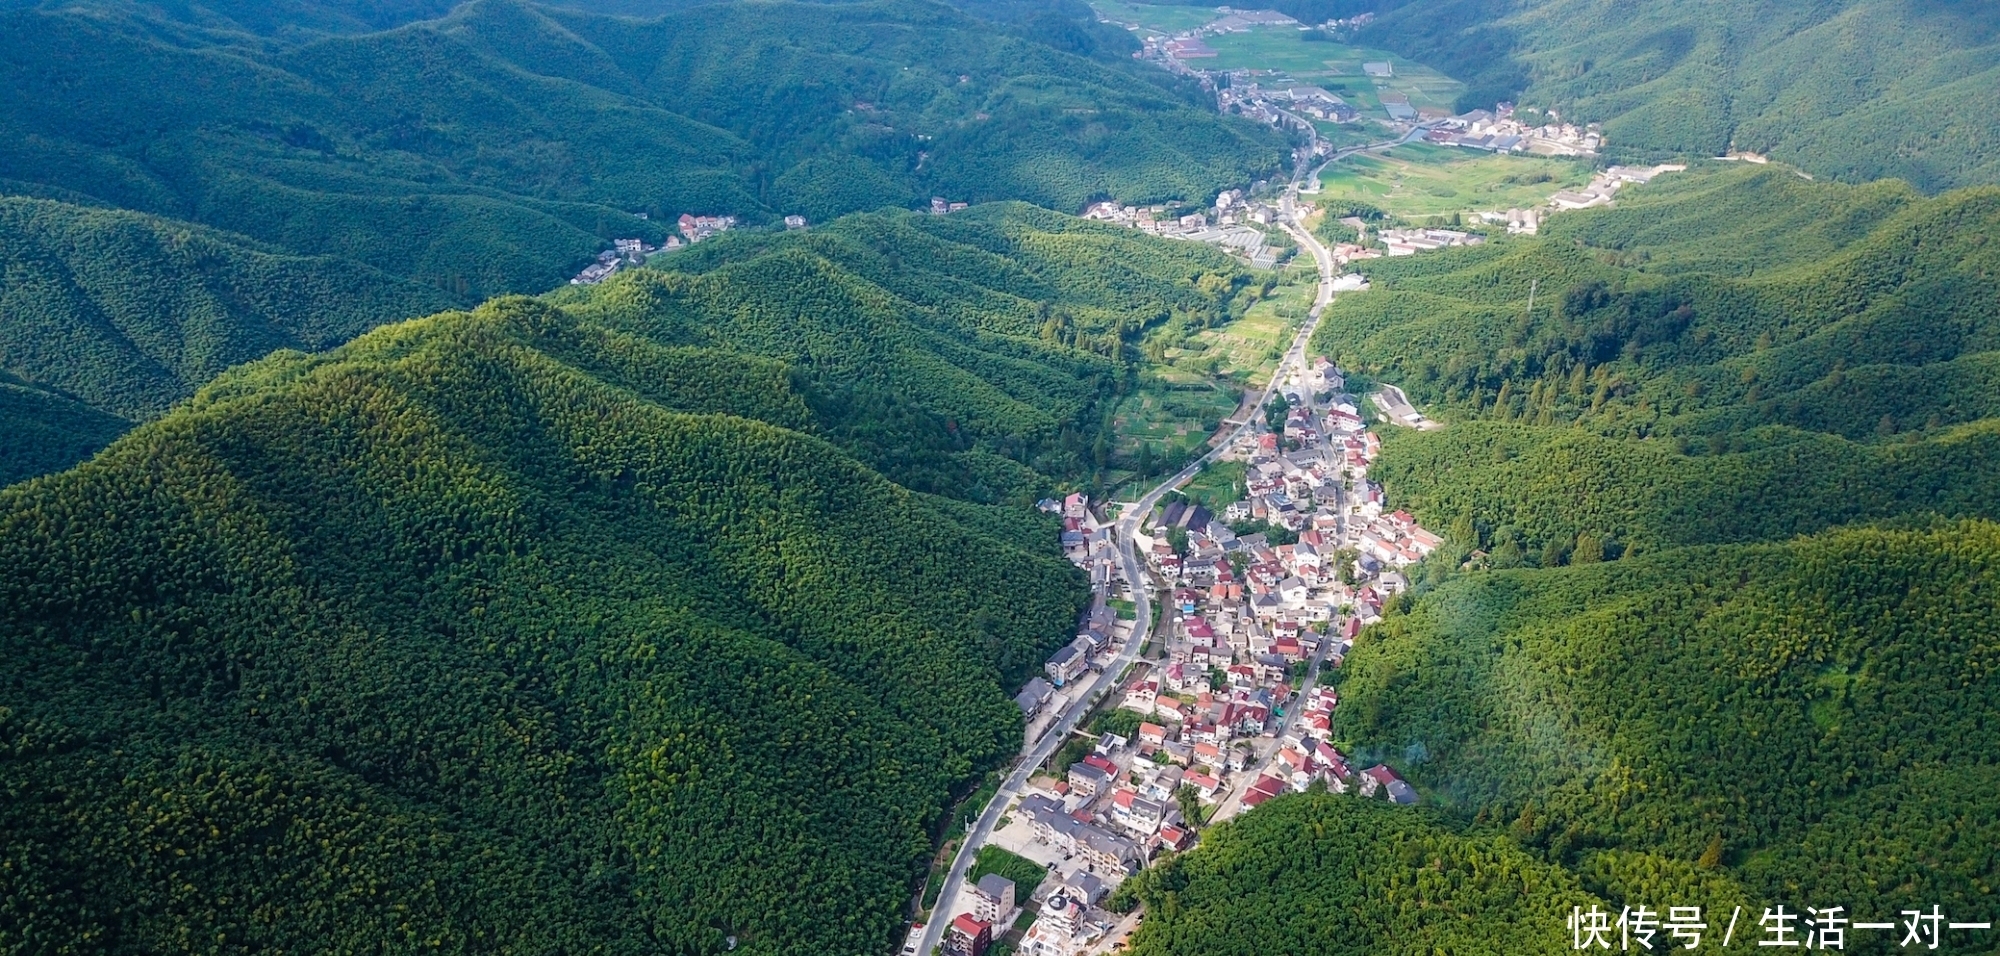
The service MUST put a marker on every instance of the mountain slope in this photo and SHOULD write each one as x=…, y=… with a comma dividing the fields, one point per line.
x=496, y=149
x=563, y=627
x=1329, y=874
x=1860, y=89
x=1784, y=700
x=1664, y=392
x=129, y=312
x=1714, y=642
x=42, y=431
x=599, y=657
x=290, y=177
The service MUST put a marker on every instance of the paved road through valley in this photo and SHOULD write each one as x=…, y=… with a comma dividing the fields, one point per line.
x=1035, y=753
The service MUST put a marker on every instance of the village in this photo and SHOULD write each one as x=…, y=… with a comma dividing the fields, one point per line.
x=693, y=229
x=1499, y=131
x=1224, y=708
x=1237, y=222
x=1166, y=730
x=635, y=252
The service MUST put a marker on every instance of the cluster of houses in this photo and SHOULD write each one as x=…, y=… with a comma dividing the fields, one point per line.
x=941, y=206
x=1248, y=613
x=697, y=228
x=1341, y=24
x=1306, y=759
x=1605, y=185
x=1087, y=545
x=1107, y=817
x=1070, y=918
x=633, y=252
x=1498, y=131
x=1221, y=720
x=1234, y=223
x=623, y=252
x=1518, y=222
x=1253, y=100
x=994, y=909
x=1409, y=242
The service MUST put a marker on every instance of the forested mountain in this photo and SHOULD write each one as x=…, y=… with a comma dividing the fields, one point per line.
x=497, y=148
x=127, y=313
x=577, y=627
x=1726, y=635
x=43, y=431
x=293, y=175
x=1821, y=710
x=1056, y=22
x=1860, y=89
x=1316, y=873
x=1732, y=354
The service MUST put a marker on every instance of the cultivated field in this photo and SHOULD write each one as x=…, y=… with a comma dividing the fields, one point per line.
x=1157, y=18
x=1422, y=180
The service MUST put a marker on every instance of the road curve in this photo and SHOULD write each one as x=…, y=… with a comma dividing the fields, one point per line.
x=1127, y=529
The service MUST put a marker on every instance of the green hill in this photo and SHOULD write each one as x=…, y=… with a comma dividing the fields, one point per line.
x=497, y=149
x=290, y=176
x=593, y=626
x=931, y=344
x=42, y=431
x=1731, y=644
x=130, y=312
x=1822, y=708
x=1664, y=392
x=1859, y=89
x=1336, y=874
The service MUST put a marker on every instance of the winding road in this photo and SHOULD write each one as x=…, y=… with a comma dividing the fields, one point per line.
x=1035, y=753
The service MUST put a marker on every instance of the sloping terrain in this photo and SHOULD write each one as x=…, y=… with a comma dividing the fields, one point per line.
x=289, y=177
x=130, y=312
x=579, y=627
x=1859, y=89
x=1714, y=625
x=496, y=149
x=1665, y=392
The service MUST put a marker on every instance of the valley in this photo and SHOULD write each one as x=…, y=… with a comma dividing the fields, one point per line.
x=1017, y=479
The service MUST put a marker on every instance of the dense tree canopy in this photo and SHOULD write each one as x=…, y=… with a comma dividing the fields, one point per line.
x=1666, y=388
x=594, y=625
x=1858, y=89
x=293, y=174
x=1317, y=873
x=1650, y=685
x=1822, y=711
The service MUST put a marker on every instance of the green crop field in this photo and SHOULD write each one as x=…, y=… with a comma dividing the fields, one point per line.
x=1246, y=350
x=1157, y=18
x=1336, y=66
x=1358, y=133
x=1163, y=422
x=1425, y=180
